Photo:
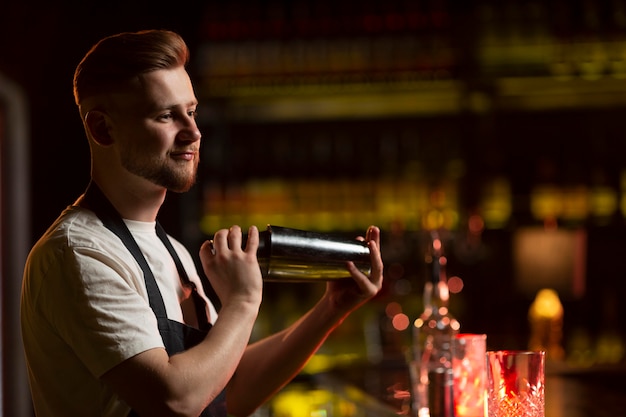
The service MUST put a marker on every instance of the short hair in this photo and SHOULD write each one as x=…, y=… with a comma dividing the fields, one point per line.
x=116, y=60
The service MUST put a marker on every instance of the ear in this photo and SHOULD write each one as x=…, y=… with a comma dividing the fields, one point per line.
x=97, y=124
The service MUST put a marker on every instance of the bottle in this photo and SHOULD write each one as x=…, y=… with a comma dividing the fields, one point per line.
x=293, y=255
x=433, y=333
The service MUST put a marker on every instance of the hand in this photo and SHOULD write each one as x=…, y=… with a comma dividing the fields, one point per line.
x=347, y=295
x=233, y=272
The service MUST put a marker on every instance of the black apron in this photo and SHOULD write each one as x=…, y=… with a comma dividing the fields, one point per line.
x=176, y=336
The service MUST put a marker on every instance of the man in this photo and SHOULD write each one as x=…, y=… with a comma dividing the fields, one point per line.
x=114, y=317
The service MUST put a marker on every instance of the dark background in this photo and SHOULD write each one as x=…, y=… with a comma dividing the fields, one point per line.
x=40, y=45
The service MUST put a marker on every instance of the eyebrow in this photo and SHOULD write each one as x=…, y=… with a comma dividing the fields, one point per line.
x=155, y=107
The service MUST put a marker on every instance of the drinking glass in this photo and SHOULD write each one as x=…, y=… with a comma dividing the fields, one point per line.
x=515, y=383
x=468, y=364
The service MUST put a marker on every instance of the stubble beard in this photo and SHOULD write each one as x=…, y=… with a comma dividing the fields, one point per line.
x=177, y=179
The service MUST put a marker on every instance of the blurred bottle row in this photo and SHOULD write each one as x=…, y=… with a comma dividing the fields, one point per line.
x=302, y=42
x=349, y=204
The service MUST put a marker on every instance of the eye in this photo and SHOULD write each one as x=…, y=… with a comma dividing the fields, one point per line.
x=192, y=113
x=165, y=116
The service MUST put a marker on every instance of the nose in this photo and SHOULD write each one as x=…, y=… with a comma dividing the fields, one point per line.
x=190, y=131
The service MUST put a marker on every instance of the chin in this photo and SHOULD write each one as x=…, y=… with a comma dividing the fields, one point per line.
x=181, y=187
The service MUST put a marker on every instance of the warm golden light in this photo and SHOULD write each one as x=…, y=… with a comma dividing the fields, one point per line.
x=433, y=220
x=496, y=203
x=550, y=257
x=304, y=402
x=325, y=205
x=546, y=305
x=455, y=325
x=603, y=201
x=575, y=203
x=546, y=201
x=444, y=291
x=546, y=323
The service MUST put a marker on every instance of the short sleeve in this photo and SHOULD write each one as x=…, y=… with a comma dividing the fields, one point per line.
x=97, y=304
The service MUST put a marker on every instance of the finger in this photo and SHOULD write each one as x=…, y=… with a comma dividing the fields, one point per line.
x=220, y=241
x=252, y=243
x=377, y=262
x=373, y=233
x=234, y=237
x=367, y=286
x=207, y=248
x=207, y=252
x=357, y=274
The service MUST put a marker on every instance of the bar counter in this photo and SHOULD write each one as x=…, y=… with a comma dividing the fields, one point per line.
x=382, y=390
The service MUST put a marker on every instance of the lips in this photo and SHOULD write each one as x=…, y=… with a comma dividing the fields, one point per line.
x=188, y=155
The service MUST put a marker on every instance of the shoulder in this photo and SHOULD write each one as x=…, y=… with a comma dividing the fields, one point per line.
x=74, y=241
x=79, y=270
x=76, y=228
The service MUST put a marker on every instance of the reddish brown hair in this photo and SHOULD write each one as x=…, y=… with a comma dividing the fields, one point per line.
x=116, y=60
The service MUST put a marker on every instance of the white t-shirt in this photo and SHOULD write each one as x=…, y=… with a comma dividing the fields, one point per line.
x=85, y=309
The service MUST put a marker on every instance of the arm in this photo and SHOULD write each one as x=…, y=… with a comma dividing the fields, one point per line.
x=186, y=382
x=269, y=364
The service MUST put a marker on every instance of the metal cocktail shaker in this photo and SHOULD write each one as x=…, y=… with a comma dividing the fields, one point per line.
x=294, y=255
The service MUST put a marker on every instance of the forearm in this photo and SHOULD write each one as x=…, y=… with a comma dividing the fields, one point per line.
x=154, y=384
x=269, y=364
x=206, y=368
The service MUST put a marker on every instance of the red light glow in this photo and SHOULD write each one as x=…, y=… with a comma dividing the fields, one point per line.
x=393, y=309
x=476, y=224
x=455, y=285
x=400, y=322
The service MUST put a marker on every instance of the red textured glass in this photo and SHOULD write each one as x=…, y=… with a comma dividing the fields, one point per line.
x=515, y=383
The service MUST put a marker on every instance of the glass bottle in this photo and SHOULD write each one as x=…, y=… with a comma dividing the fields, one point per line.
x=433, y=332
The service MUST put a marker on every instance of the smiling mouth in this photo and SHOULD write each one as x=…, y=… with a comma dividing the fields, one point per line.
x=184, y=155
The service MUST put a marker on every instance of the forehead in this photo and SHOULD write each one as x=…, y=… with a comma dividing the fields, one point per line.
x=157, y=90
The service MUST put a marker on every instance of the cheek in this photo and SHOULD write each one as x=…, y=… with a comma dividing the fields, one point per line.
x=147, y=139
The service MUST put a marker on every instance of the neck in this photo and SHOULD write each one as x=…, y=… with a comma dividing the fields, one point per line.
x=131, y=200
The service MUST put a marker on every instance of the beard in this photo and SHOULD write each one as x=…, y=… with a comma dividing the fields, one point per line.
x=176, y=177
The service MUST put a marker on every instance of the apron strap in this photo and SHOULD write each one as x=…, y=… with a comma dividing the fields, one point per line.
x=198, y=301
x=99, y=204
